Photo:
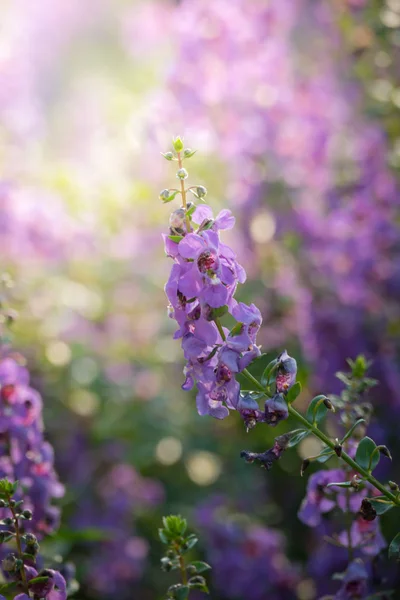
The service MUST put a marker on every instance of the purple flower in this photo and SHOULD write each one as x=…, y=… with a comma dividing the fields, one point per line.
x=366, y=536
x=25, y=454
x=355, y=582
x=319, y=498
x=267, y=459
x=286, y=372
x=203, y=278
x=276, y=410
x=54, y=588
x=211, y=275
x=250, y=411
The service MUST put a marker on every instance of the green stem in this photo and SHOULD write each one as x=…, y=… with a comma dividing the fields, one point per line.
x=19, y=546
x=183, y=194
x=324, y=438
x=344, y=456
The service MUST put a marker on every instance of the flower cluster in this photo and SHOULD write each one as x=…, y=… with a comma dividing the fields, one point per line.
x=200, y=290
x=25, y=455
x=22, y=578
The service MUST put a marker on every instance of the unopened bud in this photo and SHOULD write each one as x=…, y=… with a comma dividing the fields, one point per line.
x=169, y=155
x=338, y=449
x=27, y=514
x=329, y=404
x=177, y=220
x=182, y=174
x=8, y=563
x=304, y=466
x=367, y=511
x=355, y=482
x=201, y=191
x=30, y=539
x=178, y=144
x=385, y=451
x=164, y=195
x=188, y=152
x=166, y=564
x=393, y=486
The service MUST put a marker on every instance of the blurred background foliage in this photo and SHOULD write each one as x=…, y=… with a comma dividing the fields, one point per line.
x=294, y=109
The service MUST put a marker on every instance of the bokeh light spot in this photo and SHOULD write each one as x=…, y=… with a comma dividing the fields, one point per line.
x=168, y=451
x=203, y=467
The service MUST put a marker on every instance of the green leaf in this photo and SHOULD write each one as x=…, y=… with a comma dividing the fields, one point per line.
x=267, y=371
x=163, y=537
x=216, y=313
x=191, y=210
x=175, y=525
x=200, y=566
x=293, y=392
x=298, y=436
x=41, y=579
x=341, y=484
x=380, y=504
x=182, y=592
x=168, y=155
x=175, y=238
x=394, y=548
x=191, y=541
x=189, y=153
x=236, y=330
x=365, y=450
x=316, y=414
x=7, y=488
x=352, y=428
x=198, y=583
x=170, y=197
x=325, y=455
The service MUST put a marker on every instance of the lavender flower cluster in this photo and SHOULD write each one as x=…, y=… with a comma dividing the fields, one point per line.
x=25, y=455
x=201, y=289
x=28, y=480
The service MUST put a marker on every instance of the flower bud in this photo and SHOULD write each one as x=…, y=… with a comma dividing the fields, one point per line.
x=276, y=410
x=164, y=195
x=201, y=191
x=166, y=564
x=355, y=482
x=385, y=451
x=329, y=404
x=8, y=563
x=27, y=514
x=2, y=504
x=177, y=221
x=338, y=449
x=182, y=174
x=286, y=373
x=393, y=486
x=188, y=152
x=367, y=511
x=178, y=144
x=169, y=155
x=304, y=465
x=8, y=521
